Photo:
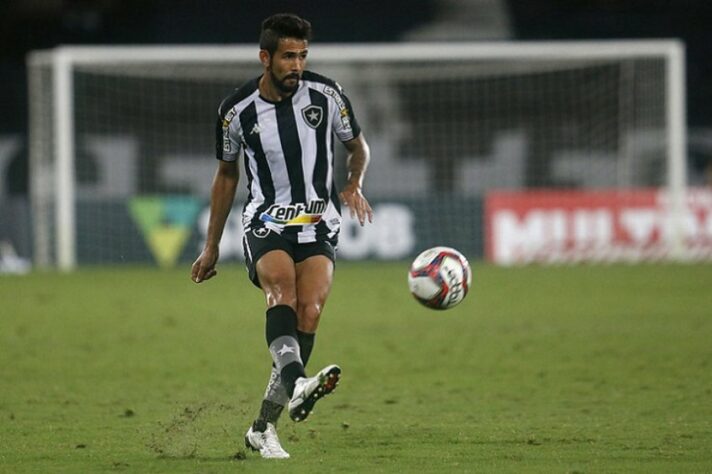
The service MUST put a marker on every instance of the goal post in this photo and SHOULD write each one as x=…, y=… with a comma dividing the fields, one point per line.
x=446, y=121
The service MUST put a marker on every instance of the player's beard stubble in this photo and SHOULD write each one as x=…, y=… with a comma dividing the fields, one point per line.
x=281, y=84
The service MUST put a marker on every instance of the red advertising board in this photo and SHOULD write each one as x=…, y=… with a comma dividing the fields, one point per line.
x=606, y=225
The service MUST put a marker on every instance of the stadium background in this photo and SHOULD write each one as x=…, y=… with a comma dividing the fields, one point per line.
x=35, y=25
x=564, y=368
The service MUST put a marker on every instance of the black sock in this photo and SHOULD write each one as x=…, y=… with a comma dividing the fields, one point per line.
x=269, y=413
x=306, y=344
x=281, y=334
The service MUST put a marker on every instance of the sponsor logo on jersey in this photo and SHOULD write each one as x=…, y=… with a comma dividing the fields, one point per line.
x=328, y=90
x=226, y=129
x=295, y=214
x=346, y=122
x=343, y=110
x=313, y=114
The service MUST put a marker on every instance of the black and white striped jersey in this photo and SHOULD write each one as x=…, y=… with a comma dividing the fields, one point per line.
x=288, y=152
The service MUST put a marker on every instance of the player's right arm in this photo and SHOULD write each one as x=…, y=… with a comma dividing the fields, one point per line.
x=221, y=197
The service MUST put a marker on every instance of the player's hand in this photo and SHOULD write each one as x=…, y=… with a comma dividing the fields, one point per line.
x=358, y=206
x=204, y=266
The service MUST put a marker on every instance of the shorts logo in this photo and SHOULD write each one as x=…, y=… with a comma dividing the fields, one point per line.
x=313, y=114
x=261, y=232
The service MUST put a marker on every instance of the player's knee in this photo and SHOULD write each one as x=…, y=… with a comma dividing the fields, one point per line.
x=279, y=290
x=309, y=314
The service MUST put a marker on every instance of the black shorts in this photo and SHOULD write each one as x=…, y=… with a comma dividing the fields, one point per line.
x=258, y=242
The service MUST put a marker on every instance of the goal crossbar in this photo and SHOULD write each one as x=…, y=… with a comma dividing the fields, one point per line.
x=378, y=52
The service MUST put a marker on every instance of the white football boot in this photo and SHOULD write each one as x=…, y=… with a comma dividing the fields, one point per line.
x=267, y=443
x=307, y=390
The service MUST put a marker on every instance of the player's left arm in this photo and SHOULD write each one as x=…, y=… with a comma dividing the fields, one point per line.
x=359, y=155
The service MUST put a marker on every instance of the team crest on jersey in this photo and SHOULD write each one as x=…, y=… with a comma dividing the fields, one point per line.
x=313, y=115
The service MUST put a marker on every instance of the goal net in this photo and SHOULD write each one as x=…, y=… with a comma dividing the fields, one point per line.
x=514, y=152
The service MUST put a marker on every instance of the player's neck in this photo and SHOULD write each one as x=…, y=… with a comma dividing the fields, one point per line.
x=271, y=92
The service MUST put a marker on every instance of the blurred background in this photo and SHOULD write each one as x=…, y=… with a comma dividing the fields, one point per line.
x=27, y=25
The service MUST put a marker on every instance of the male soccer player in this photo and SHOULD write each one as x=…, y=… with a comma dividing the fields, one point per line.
x=284, y=123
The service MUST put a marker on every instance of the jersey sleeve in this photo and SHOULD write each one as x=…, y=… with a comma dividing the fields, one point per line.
x=344, y=123
x=228, y=135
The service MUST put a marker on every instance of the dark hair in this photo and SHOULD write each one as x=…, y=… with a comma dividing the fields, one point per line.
x=283, y=25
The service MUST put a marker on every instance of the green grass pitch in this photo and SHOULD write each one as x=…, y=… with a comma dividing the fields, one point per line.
x=582, y=369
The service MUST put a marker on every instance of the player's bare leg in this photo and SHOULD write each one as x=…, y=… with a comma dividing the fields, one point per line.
x=314, y=277
x=277, y=277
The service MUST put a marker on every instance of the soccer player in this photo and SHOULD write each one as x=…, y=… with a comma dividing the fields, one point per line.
x=284, y=123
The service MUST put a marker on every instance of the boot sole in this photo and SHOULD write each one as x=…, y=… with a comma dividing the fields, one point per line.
x=327, y=384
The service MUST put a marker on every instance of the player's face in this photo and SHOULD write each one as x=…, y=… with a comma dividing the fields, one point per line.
x=287, y=64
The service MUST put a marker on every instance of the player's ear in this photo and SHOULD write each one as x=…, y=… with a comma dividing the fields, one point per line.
x=264, y=57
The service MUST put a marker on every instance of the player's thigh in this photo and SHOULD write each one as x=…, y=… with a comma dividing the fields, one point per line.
x=277, y=276
x=314, y=276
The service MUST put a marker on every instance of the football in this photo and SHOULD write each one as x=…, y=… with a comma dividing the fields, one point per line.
x=440, y=277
